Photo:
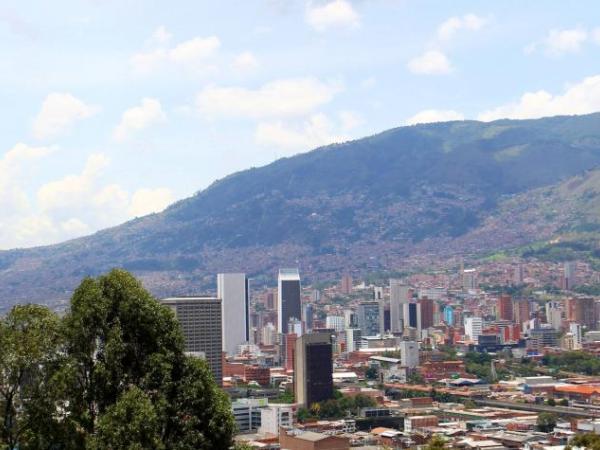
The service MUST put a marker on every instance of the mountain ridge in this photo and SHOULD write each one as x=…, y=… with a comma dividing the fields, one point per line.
x=362, y=205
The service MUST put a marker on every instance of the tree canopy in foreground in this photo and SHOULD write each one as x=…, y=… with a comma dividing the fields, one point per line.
x=111, y=373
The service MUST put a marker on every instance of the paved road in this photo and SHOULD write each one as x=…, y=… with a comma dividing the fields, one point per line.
x=558, y=410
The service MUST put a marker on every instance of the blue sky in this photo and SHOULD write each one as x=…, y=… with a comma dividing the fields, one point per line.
x=113, y=109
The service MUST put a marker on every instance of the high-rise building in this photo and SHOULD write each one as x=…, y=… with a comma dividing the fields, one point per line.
x=346, y=284
x=200, y=319
x=449, y=315
x=399, y=295
x=409, y=354
x=269, y=334
x=271, y=300
x=473, y=327
x=290, y=348
x=427, y=312
x=368, y=318
x=582, y=310
x=469, y=279
x=518, y=275
x=313, y=368
x=350, y=320
x=335, y=323
x=577, y=331
x=521, y=311
x=569, y=279
x=377, y=293
x=353, y=339
x=289, y=305
x=554, y=314
x=505, y=307
x=232, y=289
x=412, y=316
x=307, y=317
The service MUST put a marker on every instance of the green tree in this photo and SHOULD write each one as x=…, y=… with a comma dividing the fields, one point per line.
x=435, y=443
x=130, y=424
x=119, y=336
x=589, y=441
x=546, y=421
x=29, y=339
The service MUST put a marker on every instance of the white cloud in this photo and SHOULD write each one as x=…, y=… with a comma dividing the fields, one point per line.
x=147, y=201
x=315, y=131
x=596, y=35
x=579, y=98
x=289, y=97
x=431, y=62
x=58, y=113
x=448, y=29
x=12, y=171
x=148, y=113
x=193, y=53
x=559, y=42
x=434, y=115
x=245, y=62
x=161, y=36
x=72, y=189
x=333, y=14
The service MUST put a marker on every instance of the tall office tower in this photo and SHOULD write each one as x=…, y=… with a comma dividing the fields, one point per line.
x=473, y=327
x=307, y=317
x=368, y=318
x=346, y=284
x=521, y=311
x=449, y=315
x=518, y=275
x=232, y=289
x=569, y=279
x=582, y=310
x=200, y=320
x=335, y=323
x=505, y=308
x=290, y=348
x=353, y=337
x=427, y=312
x=315, y=296
x=554, y=315
x=377, y=293
x=409, y=354
x=350, y=320
x=271, y=300
x=577, y=331
x=313, y=369
x=386, y=319
x=288, y=293
x=269, y=334
x=469, y=279
x=399, y=295
x=412, y=316
x=295, y=326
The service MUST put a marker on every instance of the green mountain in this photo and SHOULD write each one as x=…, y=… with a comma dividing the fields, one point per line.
x=396, y=198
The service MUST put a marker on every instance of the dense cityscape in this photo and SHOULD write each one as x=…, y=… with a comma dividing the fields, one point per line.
x=501, y=355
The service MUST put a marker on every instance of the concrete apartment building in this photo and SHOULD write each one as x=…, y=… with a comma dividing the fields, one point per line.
x=232, y=289
x=201, y=322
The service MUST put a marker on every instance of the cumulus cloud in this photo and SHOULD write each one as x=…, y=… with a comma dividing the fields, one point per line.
x=245, y=62
x=58, y=113
x=578, y=98
x=314, y=131
x=432, y=62
x=289, y=97
x=333, y=14
x=148, y=201
x=448, y=29
x=135, y=119
x=559, y=42
x=193, y=53
x=434, y=115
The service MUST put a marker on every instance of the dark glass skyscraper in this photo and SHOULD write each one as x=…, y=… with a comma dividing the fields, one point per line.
x=313, y=368
x=289, y=304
